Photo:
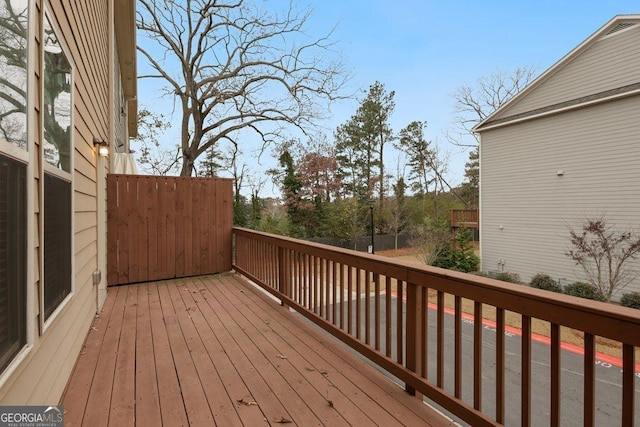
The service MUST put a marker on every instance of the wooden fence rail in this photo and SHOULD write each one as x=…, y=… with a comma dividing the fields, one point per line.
x=165, y=227
x=327, y=285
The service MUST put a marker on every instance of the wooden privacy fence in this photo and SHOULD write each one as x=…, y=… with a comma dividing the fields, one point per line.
x=380, y=307
x=465, y=218
x=166, y=227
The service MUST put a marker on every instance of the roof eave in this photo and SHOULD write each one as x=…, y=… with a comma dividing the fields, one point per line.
x=125, y=29
x=555, y=67
x=125, y=25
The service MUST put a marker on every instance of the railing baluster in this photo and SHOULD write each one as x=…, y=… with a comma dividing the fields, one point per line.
x=440, y=339
x=477, y=355
x=457, y=370
x=589, y=379
x=389, y=321
x=525, y=415
x=314, y=284
x=282, y=286
x=628, y=384
x=339, y=276
x=349, y=299
x=399, y=325
x=500, y=407
x=367, y=308
x=358, y=304
x=377, y=317
x=334, y=271
x=296, y=274
x=305, y=281
x=555, y=375
x=424, y=321
x=322, y=310
x=327, y=288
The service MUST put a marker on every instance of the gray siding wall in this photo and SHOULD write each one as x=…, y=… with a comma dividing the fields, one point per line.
x=610, y=63
x=598, y=148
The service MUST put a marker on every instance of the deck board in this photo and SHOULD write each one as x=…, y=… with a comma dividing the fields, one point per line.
x=213, y=350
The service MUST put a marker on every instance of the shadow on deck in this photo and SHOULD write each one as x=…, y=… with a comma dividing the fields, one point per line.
x=215, y=350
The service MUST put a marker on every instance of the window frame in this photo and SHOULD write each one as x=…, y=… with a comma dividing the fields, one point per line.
x=27, y=156
x=49, y=15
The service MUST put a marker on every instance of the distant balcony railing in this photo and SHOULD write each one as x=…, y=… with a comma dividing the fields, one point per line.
x=380, y=308
x=465, y=218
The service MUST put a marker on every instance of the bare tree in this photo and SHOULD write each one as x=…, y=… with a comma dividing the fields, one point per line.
x=474, y=103
x=235, y=69
x=152, y=158
x=603, y=253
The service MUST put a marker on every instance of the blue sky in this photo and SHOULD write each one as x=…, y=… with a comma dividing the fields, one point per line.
x=425, y=49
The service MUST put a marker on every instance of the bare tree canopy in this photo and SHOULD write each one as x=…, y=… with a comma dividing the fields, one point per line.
x=474, y=103
x=233, y=67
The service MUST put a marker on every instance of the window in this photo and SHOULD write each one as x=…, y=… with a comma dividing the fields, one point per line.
x=13, y=72
x=13, y=255
x=13, y=178
x=57, y=154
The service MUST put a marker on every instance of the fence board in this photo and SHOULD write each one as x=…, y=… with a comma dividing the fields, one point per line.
x=167, y=227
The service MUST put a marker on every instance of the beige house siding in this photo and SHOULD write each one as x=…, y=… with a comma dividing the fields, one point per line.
x=526, y=207
x=611, y=62
x=41, y=373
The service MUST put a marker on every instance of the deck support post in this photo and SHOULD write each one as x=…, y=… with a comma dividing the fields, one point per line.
x=415, y=344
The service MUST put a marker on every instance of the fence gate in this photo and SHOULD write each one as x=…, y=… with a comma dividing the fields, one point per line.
x=166, y=227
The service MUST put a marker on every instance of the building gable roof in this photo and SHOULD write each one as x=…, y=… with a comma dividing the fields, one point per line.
x=513, y=111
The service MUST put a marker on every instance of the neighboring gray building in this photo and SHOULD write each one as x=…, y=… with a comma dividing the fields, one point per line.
x=566, y=148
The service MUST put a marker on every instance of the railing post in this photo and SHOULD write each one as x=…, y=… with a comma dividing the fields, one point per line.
x=415, y=305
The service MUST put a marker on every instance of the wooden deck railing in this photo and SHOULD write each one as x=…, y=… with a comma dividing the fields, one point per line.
x=467, y=218
x=325, y=284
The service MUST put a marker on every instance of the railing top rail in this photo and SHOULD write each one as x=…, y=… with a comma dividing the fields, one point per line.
x=603, y=319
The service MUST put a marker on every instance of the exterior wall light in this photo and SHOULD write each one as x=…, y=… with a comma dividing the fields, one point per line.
x=103, y=146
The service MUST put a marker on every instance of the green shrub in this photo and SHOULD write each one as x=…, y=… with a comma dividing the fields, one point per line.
x=545, y=282
x=459, y=254
x=459, y=260
x=505, y=276
x=583, y=290
x=631, y=299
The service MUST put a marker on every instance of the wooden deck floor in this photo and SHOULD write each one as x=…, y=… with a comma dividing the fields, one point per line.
x=214, y=351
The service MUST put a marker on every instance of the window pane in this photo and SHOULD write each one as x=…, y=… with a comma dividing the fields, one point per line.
x=13, y=253
x=57, y=242
x=57, y=102
x=13, y=72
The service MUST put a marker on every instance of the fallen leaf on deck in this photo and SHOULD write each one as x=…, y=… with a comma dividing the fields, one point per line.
x=93, y=328
x=282, y=420
x=309, y=368
x=330, y=403
x=247, y=402
x=324, y=372
x=282, y=356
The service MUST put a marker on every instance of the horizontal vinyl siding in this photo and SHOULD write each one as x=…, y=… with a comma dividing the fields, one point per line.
x=610, y=63
x=42, y=376
x=598, y=148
